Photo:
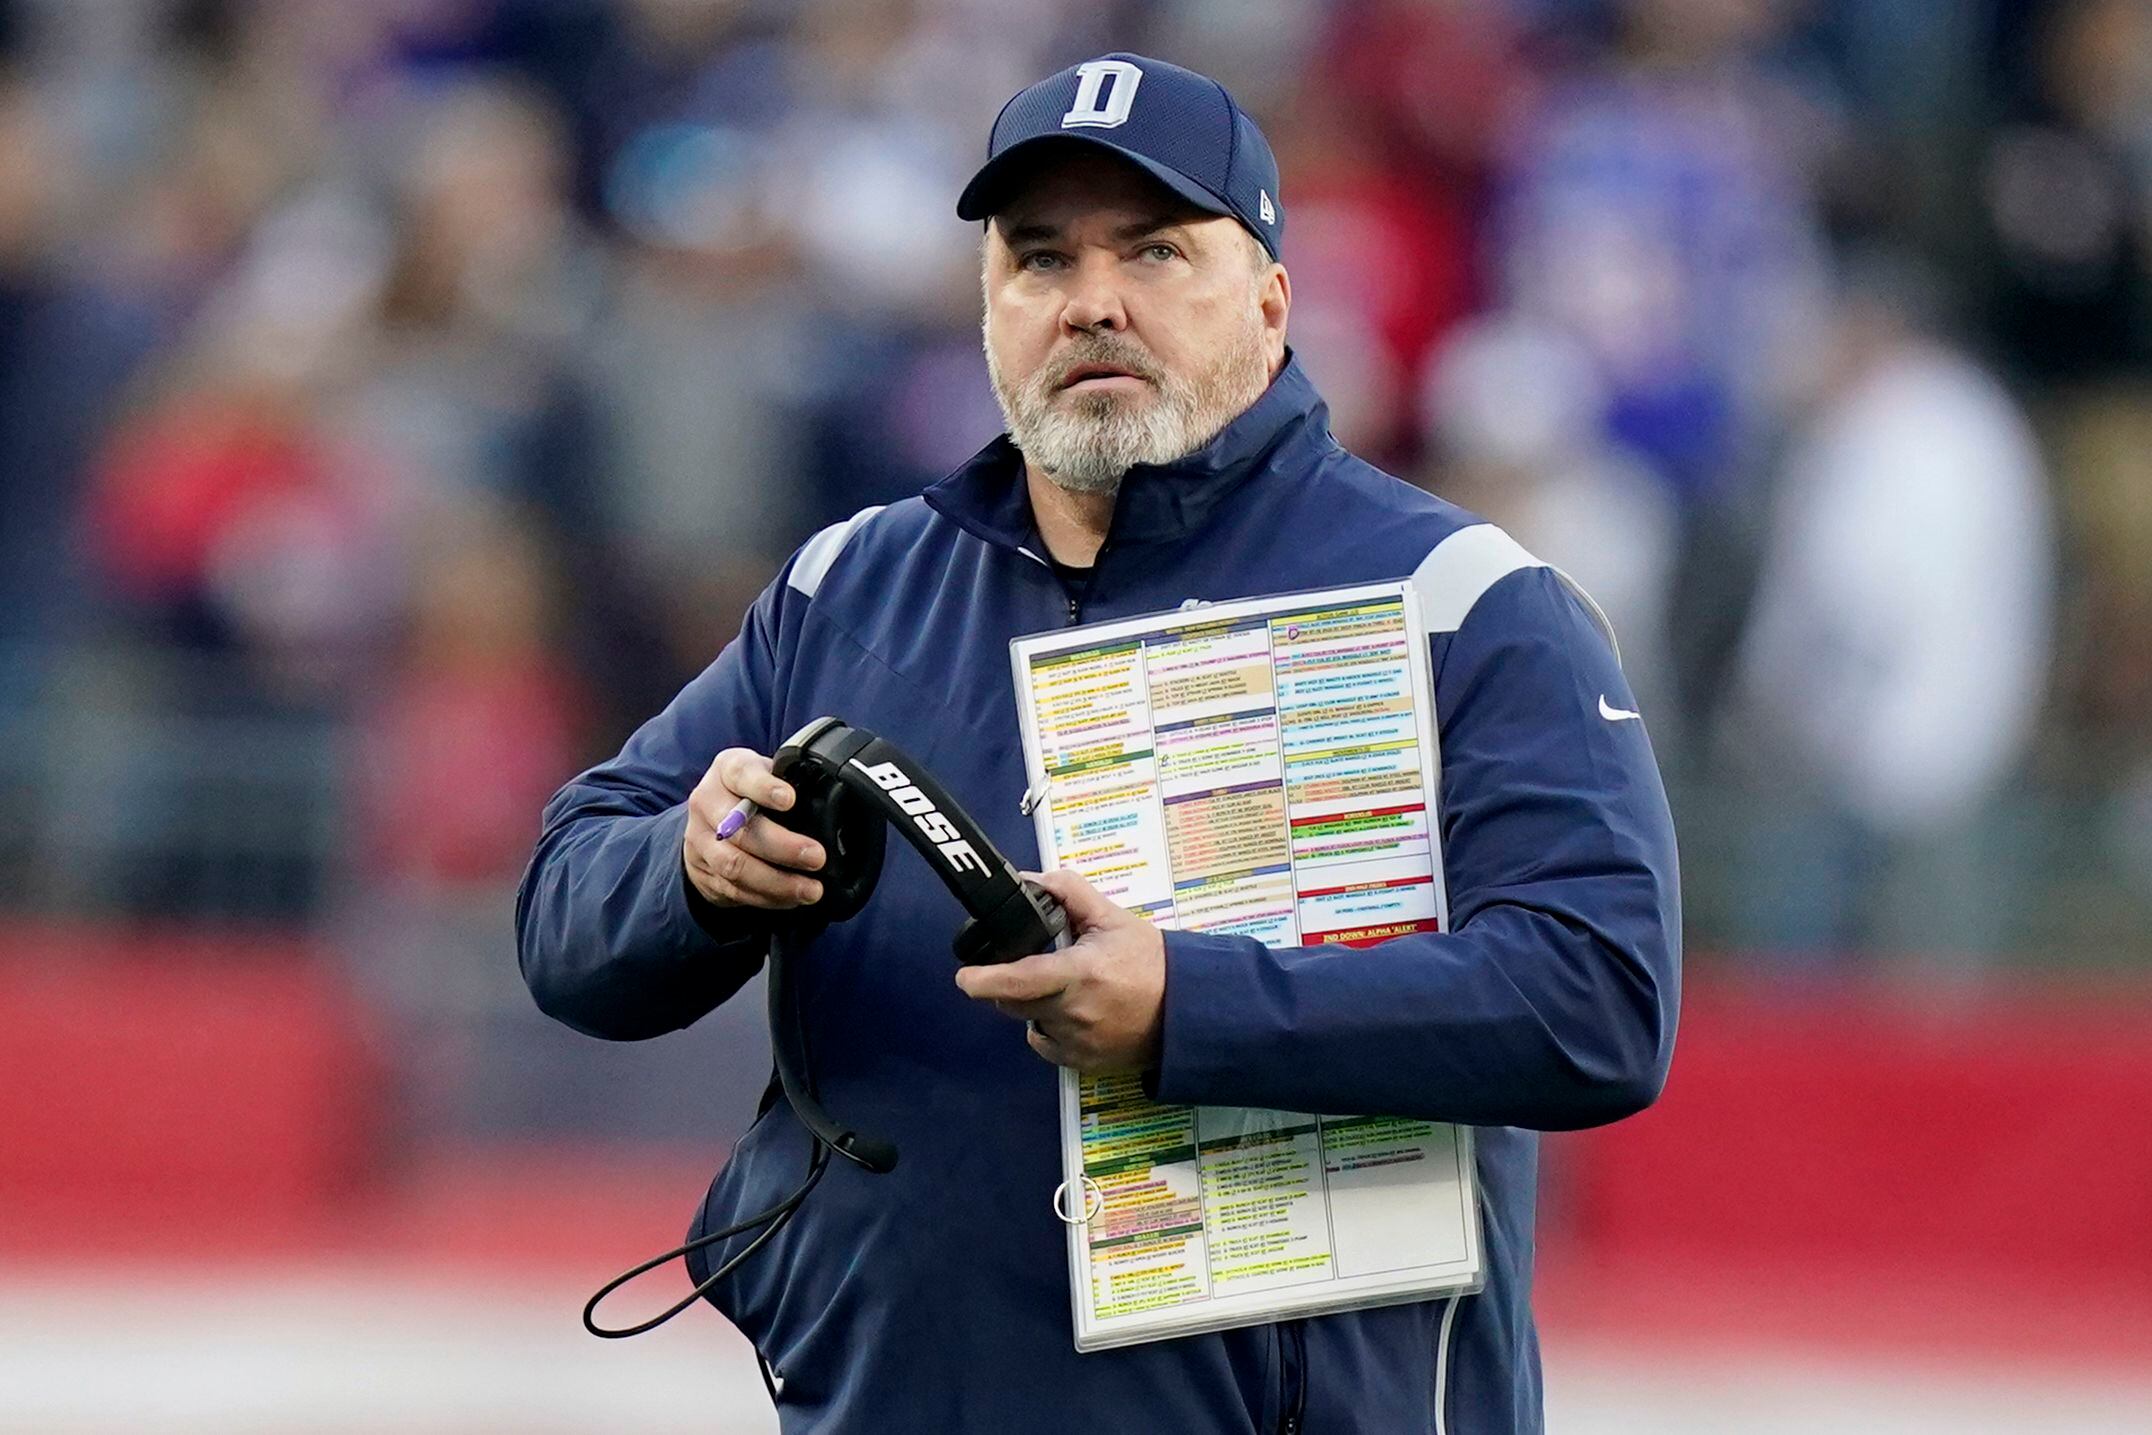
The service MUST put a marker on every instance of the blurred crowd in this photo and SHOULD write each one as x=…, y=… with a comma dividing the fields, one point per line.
x=399, y=399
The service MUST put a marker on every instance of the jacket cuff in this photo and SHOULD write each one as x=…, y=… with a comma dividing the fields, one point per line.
x=1205, y=1032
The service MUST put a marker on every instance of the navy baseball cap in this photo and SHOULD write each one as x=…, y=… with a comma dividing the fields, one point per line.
x=1180, y=127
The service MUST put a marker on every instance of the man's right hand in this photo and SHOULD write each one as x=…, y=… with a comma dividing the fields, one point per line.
x=762, y=864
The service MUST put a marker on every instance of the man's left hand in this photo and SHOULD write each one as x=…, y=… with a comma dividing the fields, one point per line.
x=1097, y=1005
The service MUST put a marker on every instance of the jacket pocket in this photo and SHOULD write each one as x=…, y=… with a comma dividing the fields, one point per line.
x=697, y=1261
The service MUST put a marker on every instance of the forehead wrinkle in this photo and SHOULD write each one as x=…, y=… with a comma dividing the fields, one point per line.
x=1027, y=233
x=1059, y=194
x=1042, y=231
x=1154, y=225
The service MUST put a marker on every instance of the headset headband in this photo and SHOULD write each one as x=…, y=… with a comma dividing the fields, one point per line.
x=1009, y=917
x=849, y=785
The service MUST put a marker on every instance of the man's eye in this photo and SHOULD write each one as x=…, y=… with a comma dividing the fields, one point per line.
x=1160, y=252
x=1039, y=259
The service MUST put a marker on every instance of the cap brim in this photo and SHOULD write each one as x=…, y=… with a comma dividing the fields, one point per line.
x=1001, y=176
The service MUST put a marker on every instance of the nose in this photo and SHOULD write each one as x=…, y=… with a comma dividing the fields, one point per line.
x=1093, y=299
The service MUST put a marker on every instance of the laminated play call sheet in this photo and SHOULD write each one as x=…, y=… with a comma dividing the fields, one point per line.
x=1265, y=768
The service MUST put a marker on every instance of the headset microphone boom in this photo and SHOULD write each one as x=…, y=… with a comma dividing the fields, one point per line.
x=851, y=788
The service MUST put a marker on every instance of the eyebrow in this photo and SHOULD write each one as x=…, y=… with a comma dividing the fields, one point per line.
x=1147, y=226
x=1046, y=233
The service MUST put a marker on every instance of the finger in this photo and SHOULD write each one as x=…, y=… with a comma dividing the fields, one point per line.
x=752, y=882
x=1086, y=905
x=1033, y=979
x=1050, y=1010
x=779, y=846
x=755, y=891
x=1064, y=1050
x=747, y=774
x=1039, y=1041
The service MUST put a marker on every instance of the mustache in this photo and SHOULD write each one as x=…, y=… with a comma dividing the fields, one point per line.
x=1105, y=352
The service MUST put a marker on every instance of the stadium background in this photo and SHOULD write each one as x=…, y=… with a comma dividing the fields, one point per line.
x=400, y=398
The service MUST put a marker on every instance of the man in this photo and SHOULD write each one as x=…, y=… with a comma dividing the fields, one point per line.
x=1163, y=446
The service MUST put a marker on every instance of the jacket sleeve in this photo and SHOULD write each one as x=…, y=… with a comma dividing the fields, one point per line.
x=1551, y=1001
x=612, y=939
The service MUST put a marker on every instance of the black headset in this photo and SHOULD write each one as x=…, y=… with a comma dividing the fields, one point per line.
x=846, y=778
x=850, y=787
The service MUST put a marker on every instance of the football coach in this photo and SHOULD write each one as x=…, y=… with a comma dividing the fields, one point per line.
x=1163, y=446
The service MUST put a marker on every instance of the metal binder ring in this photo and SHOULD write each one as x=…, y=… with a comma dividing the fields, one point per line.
x=1094, y=1201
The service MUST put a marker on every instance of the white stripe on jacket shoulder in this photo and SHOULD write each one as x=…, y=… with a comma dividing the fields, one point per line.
x=1459, y=570
x=818, y=553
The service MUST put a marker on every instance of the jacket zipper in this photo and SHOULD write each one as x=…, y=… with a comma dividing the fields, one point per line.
x=1075, y=607
x=1293, y=1377
x=1075, y=604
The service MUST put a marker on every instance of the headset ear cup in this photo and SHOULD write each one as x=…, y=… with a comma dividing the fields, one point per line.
x=852, y=834
x=855, y=840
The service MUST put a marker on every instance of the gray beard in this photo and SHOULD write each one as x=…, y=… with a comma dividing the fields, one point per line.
x=1087, y=443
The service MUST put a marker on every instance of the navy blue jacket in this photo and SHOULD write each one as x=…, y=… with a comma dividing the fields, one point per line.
x=935, y=1298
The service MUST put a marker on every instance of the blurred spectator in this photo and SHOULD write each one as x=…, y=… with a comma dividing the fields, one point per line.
x=2068, y=189
x=1898, y=649
x=883, y=135
x=695, y=367
x=1657, y=206
x=2067, y=184
x=229, y=521
x=2102, y=443
x=1381, y=265
x=51, y=391
x=702, y=64
x=1384, y=141
x=475, y=382
x=492, y=287
x=1517, y=416
x=1438, y=79
x=475, y=719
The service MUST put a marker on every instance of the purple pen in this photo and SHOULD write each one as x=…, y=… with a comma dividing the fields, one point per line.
x=729, y=827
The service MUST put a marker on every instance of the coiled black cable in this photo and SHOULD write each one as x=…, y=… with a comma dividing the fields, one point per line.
x=774, y=1218
x=788, y=1041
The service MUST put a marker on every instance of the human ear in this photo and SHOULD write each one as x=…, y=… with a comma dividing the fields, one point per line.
x=1276, y=298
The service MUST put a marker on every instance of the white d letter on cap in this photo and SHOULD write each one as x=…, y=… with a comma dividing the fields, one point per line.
x=1093, y=74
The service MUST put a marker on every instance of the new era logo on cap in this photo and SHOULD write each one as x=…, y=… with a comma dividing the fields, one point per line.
x=1180, y=127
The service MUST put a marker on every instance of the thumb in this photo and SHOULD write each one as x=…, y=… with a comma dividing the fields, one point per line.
x=1086, y=905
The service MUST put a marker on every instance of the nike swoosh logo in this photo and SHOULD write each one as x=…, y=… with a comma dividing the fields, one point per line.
x=1614, y=714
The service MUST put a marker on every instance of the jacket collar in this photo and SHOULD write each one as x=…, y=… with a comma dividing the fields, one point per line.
x=1157, y=502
